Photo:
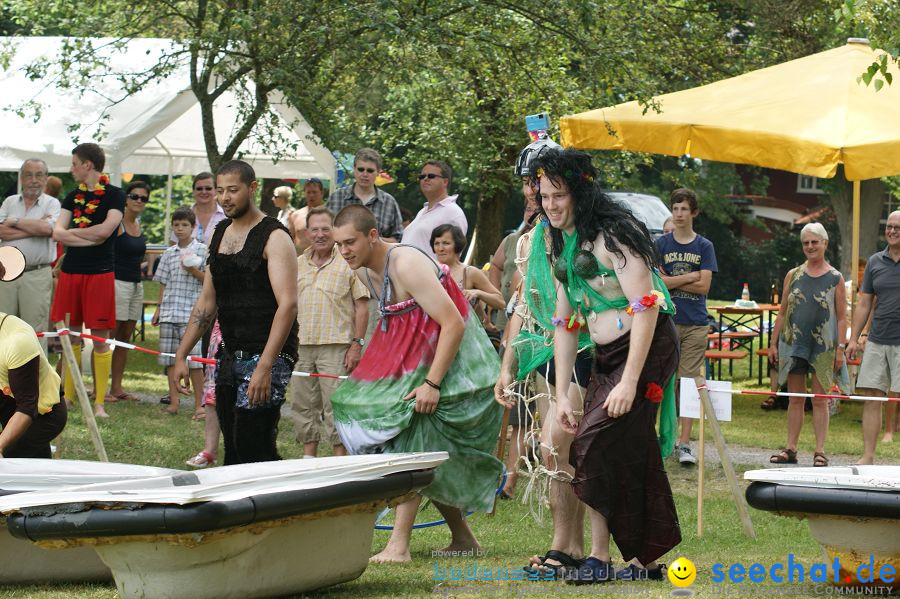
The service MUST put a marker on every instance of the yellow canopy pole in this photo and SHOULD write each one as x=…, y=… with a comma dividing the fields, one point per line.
x=854, y=251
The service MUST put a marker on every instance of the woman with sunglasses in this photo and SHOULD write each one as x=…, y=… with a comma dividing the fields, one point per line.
x=130, y=249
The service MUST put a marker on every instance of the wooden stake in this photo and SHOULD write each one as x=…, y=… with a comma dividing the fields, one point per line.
x=81, y=392
x=501, y=448
x=701, y=465
x=740, y=502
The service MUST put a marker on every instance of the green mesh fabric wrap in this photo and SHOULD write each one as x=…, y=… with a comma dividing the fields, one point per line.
x=586, y=299
x=668, y=419
x=534, y=348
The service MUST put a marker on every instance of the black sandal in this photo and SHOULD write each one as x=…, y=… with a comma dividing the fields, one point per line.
x=550, y=572
x=785, y=456
x=820, y=460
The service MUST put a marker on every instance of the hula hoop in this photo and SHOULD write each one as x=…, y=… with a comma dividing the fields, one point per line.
x=433, y=523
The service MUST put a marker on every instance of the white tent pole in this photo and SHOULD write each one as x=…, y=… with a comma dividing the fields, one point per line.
x=854, y=250
x=167, y=224
x=115, y=172
x=468, y=259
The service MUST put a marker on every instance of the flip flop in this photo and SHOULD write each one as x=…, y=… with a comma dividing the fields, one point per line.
x=125, y=396
x=198, y=415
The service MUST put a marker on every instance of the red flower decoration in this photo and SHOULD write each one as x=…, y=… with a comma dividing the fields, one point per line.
x=648, y=300
x=76, y=213
x=654, y=392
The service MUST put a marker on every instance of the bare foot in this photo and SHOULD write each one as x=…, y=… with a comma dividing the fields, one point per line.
x=863, y=461
x=390, y=556
x=888, y=438
x=99, y=412
x=462, y=545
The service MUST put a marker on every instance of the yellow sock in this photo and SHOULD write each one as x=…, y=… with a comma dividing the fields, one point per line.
x=69, y=383
x=102, y=367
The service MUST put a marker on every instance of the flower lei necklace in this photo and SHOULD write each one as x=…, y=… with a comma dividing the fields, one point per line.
x=84, y=208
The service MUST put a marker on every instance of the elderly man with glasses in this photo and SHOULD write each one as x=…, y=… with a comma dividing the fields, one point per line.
x=440, y=208
x=879, y=373
x=366, y=166
x=314, y=193
x=26, y=222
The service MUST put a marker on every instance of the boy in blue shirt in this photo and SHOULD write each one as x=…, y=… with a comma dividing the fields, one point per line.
x=688, y=261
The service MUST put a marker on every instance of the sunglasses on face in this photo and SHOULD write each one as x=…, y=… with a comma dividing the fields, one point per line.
x=138, y=197
x=203, y=188
x=430, y=176
x=363, y=169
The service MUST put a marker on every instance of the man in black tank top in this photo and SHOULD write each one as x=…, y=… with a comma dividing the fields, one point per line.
x=251, y=284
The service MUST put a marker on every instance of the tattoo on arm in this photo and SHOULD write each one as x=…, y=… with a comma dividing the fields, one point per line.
x=203, y=319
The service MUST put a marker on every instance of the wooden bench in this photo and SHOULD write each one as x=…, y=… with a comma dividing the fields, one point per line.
x=714, y=355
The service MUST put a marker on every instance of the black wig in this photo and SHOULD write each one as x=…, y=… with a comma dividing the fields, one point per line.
x=594, y=211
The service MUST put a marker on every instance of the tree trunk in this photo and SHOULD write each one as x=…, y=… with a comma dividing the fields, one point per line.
x=871, y=200
x=491, y=209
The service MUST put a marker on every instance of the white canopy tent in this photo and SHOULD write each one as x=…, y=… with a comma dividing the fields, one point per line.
x=155, y=131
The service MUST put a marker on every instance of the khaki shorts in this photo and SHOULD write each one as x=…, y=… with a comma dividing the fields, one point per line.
x=129, y=300
x=692, y=341
x=880, y=368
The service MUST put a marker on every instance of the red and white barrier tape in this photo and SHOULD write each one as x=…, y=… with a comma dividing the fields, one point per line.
x=810, y=395
x=117, y=343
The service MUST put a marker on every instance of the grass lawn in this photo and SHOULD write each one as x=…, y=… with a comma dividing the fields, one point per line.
x=139, y=433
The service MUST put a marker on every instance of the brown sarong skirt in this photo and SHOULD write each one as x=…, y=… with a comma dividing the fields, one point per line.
x=618, y=466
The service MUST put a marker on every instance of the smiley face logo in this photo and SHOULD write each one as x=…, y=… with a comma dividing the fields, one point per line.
x=682, y=572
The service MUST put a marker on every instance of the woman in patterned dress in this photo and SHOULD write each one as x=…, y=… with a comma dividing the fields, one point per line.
x=809, y=339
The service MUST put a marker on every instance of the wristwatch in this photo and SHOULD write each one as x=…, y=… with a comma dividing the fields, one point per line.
x=360, y=340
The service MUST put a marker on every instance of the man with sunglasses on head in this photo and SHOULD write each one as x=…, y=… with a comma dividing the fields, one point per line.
x=439, y=209
x=366, y=166
x=26, y=222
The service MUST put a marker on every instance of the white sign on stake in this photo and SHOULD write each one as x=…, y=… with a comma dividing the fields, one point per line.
x=719, y=395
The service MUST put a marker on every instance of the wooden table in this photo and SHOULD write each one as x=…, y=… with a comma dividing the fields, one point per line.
x=750, y=318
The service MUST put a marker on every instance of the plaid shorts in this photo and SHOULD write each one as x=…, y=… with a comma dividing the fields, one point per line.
x=170, y=335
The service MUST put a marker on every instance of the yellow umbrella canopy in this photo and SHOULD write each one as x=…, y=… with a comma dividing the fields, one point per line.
x=804, y=116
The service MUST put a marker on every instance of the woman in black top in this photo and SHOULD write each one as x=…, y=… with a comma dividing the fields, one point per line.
x=130, y=249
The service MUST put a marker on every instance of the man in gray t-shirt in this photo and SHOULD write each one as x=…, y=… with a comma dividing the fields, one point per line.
x=879, y=373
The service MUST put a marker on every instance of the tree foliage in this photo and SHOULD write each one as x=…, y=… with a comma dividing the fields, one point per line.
x=420, y=79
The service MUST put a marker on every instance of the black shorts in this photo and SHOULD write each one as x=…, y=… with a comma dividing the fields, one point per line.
x=800, y=366
x=35, y=442
x=523, y=414
x=581, y=373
